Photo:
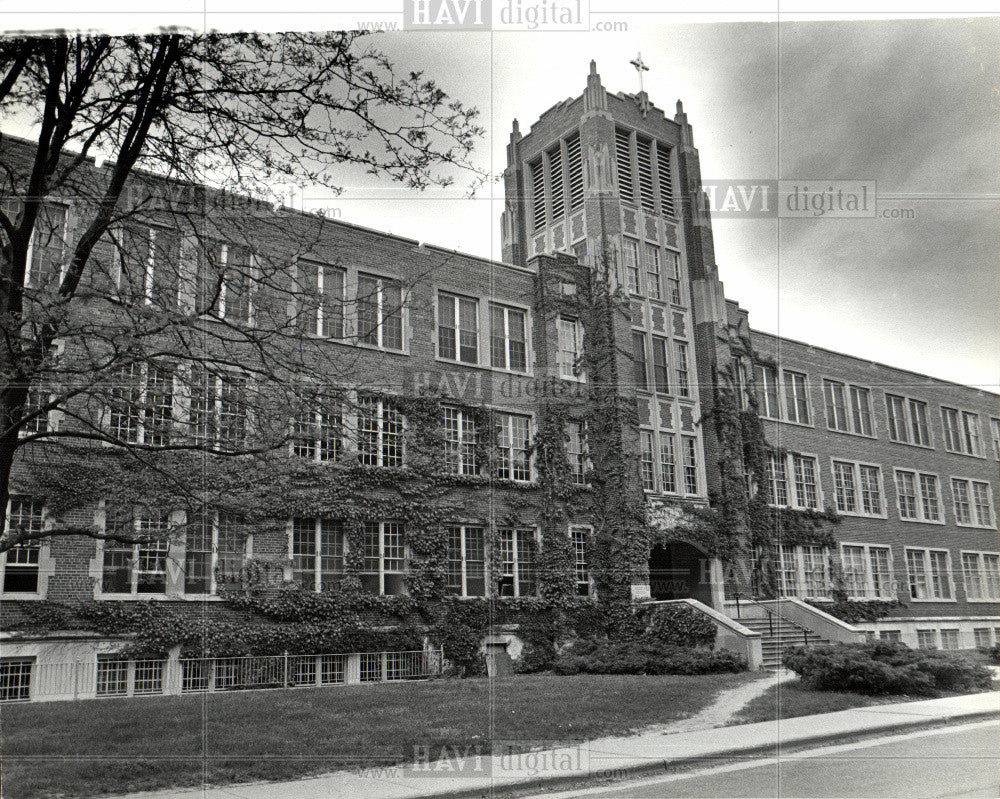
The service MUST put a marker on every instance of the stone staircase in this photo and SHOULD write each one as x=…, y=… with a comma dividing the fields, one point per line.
x=777, y=635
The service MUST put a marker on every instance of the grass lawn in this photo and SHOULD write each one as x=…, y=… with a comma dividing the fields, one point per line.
x=789, y=699
x=118, y=745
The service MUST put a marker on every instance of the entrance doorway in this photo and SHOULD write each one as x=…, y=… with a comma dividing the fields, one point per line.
x=678, y=570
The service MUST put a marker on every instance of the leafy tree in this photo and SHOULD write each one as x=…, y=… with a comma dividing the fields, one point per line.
x=152, y=157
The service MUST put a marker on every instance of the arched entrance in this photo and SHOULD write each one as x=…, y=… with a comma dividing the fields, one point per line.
x=678, y=570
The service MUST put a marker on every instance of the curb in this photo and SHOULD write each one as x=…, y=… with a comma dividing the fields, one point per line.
x=663, y=766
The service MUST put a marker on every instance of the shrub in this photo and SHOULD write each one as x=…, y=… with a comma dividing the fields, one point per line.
x=643, y=657
x=885, y=668
x=678, y=625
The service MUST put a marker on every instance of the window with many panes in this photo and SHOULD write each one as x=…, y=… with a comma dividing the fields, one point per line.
x=796, y=397
x=661, y=379
x=380, y=432
x=140, y=567
x=15, y=679
x=857, y=488
x=973, y=502
x=630, y=264
x=224, y=281
x=458, y=328
x=777, y=479
x=460, y=438
x=217, y=413
x=981, y=572
x=570, y=348
x=681, y=369
x=380, y=312
x=639, y=360
x=513, y=447
x=517, y=562
x=654, y=278
x=580, y=541
x=995, y=435
x=917, y=495
x=34, y=413
x=674, y=277
x=802, y=571
x=141, y=404
x=907, y=420
x=318, y=547
x=576, y=451
x=214, y=552
x=766, y=385
x=647, y=469
x=792, y=480
x=317, y=429
x=19, y=565
x=867, y=571
x=929, y=573
x=47, y=248
x=689, y=450
x=321, y=301
x=384, y=558
x=508, y=338
x=466, y=560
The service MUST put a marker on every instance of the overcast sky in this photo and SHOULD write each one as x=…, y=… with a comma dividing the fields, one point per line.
x=913, y=105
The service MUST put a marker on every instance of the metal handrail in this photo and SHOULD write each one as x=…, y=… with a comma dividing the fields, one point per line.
x=771, y=613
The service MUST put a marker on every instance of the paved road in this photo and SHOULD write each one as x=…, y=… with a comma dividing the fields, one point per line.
x=949, y=762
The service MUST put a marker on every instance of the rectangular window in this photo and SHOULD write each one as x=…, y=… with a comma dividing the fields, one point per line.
x=112, y=675
x=380, y=312
x=927, y=639
x=896, y=409
x=323, y=292
x=973, y=502
x=654, y=280
x=995, y=435
x=766, y=383
x=981, y=571
x=796, y=397
x=663, y=179
x=139, y=568
x=630, y=262
x=579, y=537
x=162, y=277
x=952, y=430
x=949, y=639
x=237, y=283
x=19, y=565
x=466, y=561
x=218, y=409
x=928, y=572
x=689, y=446
x=36, y=419
x=517, y=562
x=835, y=397
x=861, y=411
x=141, y=404
x=458, y=328
x=893, y=636
x=867, y=573
x=317, y=430
x=816, y=580
x=871, y=490
x=930, y=507
x=384, y=558
x=644, y=171
x=508, y=338
x=380, y=432
x=906, y=490
x=788, y=571
x=646, y=463
x=777, y=479
x=970, y=433
x=660, y=373
x=15, y=679
x=318, y=548
x=460, y=437
x=214, y=552
x=639, y=360
x=845, y=490
x=918, y=423
x=806, y=490
x=514, y=447
x=570, y=343
x=576, y=452
x=674, y=277
x=46, y=251
x=668, y=463
x=681, y=369
x=983, y=637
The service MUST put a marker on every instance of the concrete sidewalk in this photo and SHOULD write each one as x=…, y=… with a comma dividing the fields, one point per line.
x=470, y=775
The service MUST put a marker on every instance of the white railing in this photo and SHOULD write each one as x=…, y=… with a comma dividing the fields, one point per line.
x=112, y=676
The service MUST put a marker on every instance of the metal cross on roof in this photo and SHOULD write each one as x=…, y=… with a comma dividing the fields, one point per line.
x=640, y=67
